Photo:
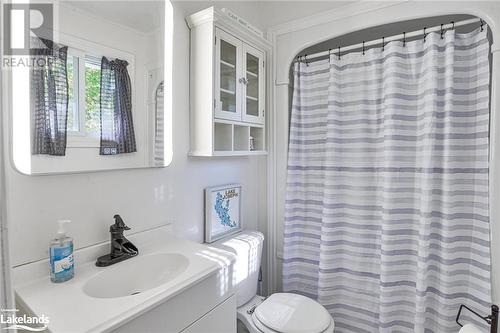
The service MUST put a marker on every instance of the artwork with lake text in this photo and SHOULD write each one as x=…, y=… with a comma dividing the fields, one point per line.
x=222, y=211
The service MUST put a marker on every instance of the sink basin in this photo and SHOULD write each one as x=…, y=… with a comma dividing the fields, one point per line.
x=136, y=275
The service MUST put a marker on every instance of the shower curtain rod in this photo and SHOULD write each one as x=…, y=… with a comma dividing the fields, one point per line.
x=443, y=27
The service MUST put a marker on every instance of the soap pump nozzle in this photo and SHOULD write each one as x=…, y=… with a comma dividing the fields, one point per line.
x=61, y=231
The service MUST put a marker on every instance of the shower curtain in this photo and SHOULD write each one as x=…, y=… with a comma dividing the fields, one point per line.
x=387, y=221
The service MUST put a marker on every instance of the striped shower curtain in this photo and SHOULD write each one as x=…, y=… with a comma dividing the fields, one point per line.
x=387, y=221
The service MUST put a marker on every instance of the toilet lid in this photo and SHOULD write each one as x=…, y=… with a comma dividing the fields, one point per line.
x=291, y=313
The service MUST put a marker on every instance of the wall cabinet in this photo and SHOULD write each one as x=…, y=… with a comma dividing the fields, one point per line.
x=239, y=80
x=227, y=85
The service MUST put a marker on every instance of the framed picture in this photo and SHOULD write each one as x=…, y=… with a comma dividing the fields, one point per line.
x=222, y=211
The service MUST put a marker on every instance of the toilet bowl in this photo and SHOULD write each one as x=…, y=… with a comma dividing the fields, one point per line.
x=278, y=313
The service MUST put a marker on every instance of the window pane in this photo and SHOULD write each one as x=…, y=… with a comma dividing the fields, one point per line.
x=72, y=73
x=92, y=95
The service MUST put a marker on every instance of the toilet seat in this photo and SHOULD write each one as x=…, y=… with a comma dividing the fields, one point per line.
x=291, y=313
x=263, y=329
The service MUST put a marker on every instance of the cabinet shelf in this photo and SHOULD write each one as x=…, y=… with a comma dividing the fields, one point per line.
x=227, y=91
x=252, y=74
x=232, y=138
x=239, y=153
x=227, y=64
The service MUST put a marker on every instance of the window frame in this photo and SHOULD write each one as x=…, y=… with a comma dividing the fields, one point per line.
x=79, y=87
x=81, y=48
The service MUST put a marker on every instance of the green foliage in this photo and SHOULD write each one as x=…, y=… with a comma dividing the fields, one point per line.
x=92, y=99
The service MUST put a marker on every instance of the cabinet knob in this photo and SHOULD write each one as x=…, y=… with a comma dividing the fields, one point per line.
x=243, y=80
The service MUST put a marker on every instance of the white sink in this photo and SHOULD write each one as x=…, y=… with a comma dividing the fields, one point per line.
x=136, y=275
x=164, y=273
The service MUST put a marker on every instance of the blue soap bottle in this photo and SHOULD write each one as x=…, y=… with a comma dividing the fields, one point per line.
x=62, y=267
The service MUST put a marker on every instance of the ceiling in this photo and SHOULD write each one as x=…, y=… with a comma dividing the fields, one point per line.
x=264, y=14
x=144, y=16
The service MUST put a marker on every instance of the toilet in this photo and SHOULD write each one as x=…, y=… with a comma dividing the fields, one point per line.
x=278, y=313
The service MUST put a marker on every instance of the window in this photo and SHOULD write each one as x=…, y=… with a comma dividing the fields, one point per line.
x=84, y=80
x=92, y=94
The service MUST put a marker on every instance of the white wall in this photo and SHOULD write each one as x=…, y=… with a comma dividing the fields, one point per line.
x=293, y=37
x=145, y=198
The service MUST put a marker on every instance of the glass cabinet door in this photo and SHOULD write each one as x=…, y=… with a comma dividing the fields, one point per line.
x=253, y=85
x=228, y=68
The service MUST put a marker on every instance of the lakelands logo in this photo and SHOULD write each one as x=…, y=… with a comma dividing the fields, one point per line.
x=11, y=321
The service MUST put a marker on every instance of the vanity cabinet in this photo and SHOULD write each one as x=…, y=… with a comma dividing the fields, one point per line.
x=227, y=85
x=208, y=306
x=221, y=319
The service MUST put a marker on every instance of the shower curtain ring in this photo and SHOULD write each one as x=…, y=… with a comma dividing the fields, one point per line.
x=363, y=47
x=442, y=31
x=305, y=59
x=425, y=35
x=329, y=55
x=339, y=52
x=482, y=24
x=383, y=44
x=404, y=39
x=453, y=25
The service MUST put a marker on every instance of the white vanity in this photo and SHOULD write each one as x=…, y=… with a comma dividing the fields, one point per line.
x=171, y=286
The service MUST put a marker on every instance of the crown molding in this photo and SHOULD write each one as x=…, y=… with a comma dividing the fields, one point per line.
x=213, y=16
x=203, y=16
x=349, y=10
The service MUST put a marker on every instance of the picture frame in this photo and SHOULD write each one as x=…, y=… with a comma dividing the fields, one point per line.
x=222, y=211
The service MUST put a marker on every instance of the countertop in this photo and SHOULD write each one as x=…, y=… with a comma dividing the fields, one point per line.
x=70, y=310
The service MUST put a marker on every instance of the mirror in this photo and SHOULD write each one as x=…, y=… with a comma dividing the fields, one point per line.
x=96, y=93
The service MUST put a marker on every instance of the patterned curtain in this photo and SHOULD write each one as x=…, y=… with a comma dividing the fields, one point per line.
x=49, y=97
x=387, y=221
x=117, y=128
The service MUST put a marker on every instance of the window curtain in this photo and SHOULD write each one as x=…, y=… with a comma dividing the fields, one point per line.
x=387, y=221
x=49, y=97
x=117, y=128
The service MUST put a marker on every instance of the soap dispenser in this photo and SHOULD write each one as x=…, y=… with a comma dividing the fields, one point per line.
x=61, y=255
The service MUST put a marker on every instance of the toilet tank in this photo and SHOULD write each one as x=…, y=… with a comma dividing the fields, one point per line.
x=247, y=246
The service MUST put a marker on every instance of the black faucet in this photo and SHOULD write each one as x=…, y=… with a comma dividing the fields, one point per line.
x=121, y=248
